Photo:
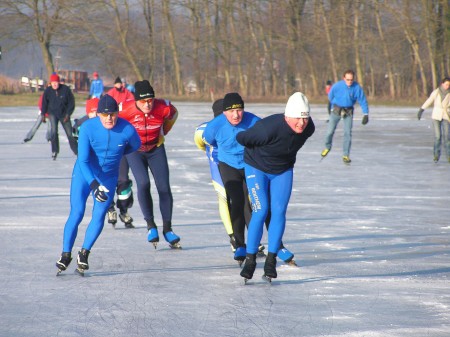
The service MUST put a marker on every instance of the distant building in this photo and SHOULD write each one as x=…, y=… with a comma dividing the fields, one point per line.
x=77, y=80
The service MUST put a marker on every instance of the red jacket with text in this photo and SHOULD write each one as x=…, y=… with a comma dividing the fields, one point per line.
x=151, y=127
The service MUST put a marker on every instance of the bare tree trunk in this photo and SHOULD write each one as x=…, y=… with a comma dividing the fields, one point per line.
x=386, y=53
x=173, y=46
x=148, y=12
x=356, y=39
x=326, y=28
x=428, y=23
x=122, y=32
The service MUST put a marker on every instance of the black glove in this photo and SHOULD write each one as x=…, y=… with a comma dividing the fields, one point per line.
x=419, y=113
x=365, y=120
x=99, y=191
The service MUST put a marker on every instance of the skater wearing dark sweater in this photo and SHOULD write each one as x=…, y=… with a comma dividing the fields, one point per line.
x=59, y=103
x=271, y=146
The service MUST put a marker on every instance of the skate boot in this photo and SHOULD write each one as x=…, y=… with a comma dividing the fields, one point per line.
x=63, y=262
x=233, y=243
x=112, y=215
x=346, y=159
x=285, y=255
x=239, y=255
x=126, y=219
x=261, y=251
x=172, y=239
x=249, y=267
x=54, y=155
x=153, y=236
x=270, y=271
x=324, y=153
x=82, y=261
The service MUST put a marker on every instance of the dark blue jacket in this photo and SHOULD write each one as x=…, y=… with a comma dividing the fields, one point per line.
x=59, y=103
x=271, y=145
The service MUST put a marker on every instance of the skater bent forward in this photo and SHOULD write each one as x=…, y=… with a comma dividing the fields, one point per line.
x=271, y=146
x=102, y=142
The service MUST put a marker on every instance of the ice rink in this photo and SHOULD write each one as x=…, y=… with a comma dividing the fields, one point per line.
x=371, y=241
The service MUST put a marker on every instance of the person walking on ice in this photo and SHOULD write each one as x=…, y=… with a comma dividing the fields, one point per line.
x=271, y=147
x=440, y=116
x=102, y=142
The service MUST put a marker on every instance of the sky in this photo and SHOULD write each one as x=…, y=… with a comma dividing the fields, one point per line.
x=371, y=241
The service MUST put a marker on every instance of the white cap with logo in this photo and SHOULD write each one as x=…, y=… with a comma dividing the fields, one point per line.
x=297, y=106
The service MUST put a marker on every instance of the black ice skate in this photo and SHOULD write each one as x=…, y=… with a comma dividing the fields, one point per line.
x=261, y=251
x=63, y=262
x=249, y=267
x=270, y=271
x=82, y=261
x=126, y=219
x=112, y=215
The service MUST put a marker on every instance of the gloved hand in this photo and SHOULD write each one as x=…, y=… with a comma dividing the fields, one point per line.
x=66, y=118
x=99, y=191
x=419, y=113
x=43, y=118
x=365, y=120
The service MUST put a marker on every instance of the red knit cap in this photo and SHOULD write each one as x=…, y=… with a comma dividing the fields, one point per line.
x=54, y=78
x=91, y=105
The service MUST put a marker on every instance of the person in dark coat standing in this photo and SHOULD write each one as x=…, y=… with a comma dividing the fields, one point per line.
x=271, y=147
x=59, y=103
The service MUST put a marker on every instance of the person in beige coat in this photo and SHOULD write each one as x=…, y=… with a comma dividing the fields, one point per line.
x=440, y=116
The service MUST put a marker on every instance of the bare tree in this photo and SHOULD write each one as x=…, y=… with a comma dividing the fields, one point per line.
x=35, y=21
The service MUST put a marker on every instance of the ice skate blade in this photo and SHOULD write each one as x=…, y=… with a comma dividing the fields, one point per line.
x=291, y=263
x=267, y=279
x=155, y=244
x=79, y=271
x=59, y=272
x=246, y=281
x=261, y=254
x=175, y=245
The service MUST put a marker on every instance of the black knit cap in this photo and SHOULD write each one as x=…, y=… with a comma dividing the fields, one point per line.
x=143, y=90
x=108, y=105
x=118, y=80
x=217, y=107
x=232, y=100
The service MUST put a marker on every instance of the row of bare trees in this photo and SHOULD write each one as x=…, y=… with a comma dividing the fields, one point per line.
x=398, y=48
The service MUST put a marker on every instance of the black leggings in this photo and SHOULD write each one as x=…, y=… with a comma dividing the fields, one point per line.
x=238, y=201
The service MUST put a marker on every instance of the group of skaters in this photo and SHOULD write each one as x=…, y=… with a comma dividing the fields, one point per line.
x=251, y=160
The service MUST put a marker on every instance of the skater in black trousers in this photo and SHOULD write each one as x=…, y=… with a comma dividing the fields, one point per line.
x=59, y=103
x=221, y=134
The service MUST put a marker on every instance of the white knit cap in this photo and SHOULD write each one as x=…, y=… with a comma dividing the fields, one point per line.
x=297, y=106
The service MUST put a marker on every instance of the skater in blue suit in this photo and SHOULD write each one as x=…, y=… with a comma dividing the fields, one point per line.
x=102, y=142
x=271, y=147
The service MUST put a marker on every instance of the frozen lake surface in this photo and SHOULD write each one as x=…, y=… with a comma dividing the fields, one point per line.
x=371, y=241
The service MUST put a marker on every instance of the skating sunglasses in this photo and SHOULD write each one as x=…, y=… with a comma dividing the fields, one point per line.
x=146, y=101
x=106, y=114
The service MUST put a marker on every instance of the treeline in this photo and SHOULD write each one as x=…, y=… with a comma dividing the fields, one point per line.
x=398, y=48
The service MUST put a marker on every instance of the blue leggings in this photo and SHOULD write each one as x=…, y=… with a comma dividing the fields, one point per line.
x=79, y=192
x=267, y=191
x=156, y=161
